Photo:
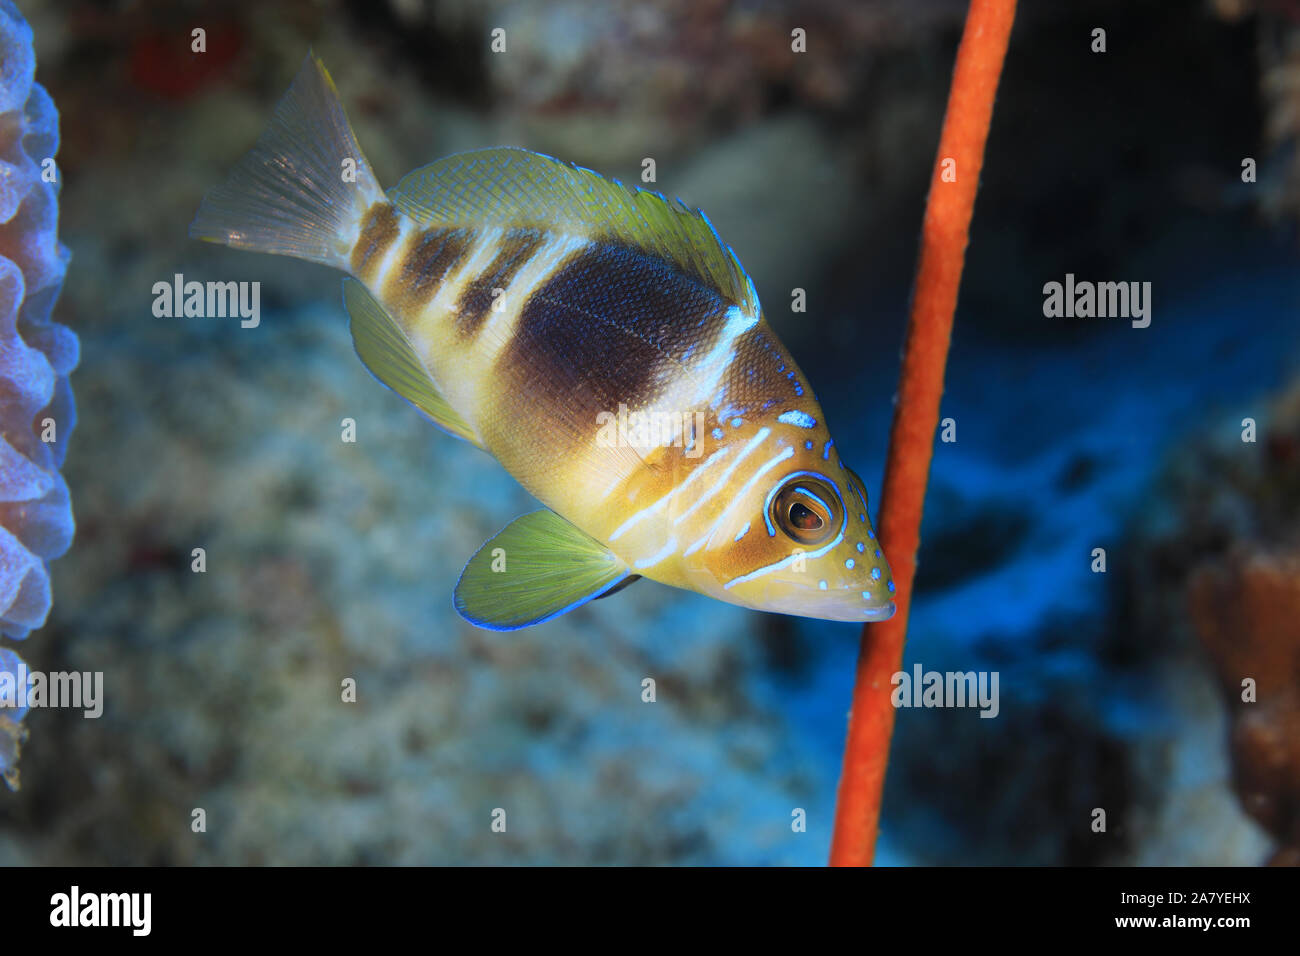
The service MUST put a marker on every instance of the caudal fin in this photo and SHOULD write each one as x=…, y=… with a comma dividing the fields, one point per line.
x=295, y=193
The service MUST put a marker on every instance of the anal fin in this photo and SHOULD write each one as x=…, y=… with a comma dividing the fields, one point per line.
x=538, y=567
x=390, y=357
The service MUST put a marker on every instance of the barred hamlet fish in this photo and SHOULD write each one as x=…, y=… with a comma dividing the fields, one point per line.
x=547, y=314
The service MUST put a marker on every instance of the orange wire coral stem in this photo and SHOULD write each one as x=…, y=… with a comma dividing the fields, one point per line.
x=944, y=236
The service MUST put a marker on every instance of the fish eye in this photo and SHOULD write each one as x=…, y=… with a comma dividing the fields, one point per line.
x=805, y=510
x=804, y=518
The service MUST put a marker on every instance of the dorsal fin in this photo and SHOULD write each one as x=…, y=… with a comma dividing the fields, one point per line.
x=514, y=187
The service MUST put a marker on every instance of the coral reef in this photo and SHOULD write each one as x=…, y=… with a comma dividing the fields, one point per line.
x=1245, y=606
x=1216, y=575
x=681, y=68
x=36, y=355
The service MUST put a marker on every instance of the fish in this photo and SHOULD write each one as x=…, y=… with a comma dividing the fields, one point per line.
x=600, y=341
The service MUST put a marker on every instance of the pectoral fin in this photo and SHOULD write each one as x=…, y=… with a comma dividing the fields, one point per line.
x=538, y=567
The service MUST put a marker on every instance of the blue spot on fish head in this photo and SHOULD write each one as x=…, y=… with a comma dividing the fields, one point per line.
x=797, y=418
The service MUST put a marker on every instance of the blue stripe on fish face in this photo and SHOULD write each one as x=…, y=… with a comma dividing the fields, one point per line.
x=788, y=560
x=660, y=505
x=740, y=495
x=777, y=486
x=723, y=480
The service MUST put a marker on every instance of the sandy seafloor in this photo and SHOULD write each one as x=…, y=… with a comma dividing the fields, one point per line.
x=328, y=560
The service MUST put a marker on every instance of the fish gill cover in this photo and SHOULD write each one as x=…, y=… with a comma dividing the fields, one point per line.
x=36, y=355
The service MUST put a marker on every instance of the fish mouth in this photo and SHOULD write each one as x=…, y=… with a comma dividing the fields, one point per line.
x=854, y=609
x=847, y=612
x=873, y=614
